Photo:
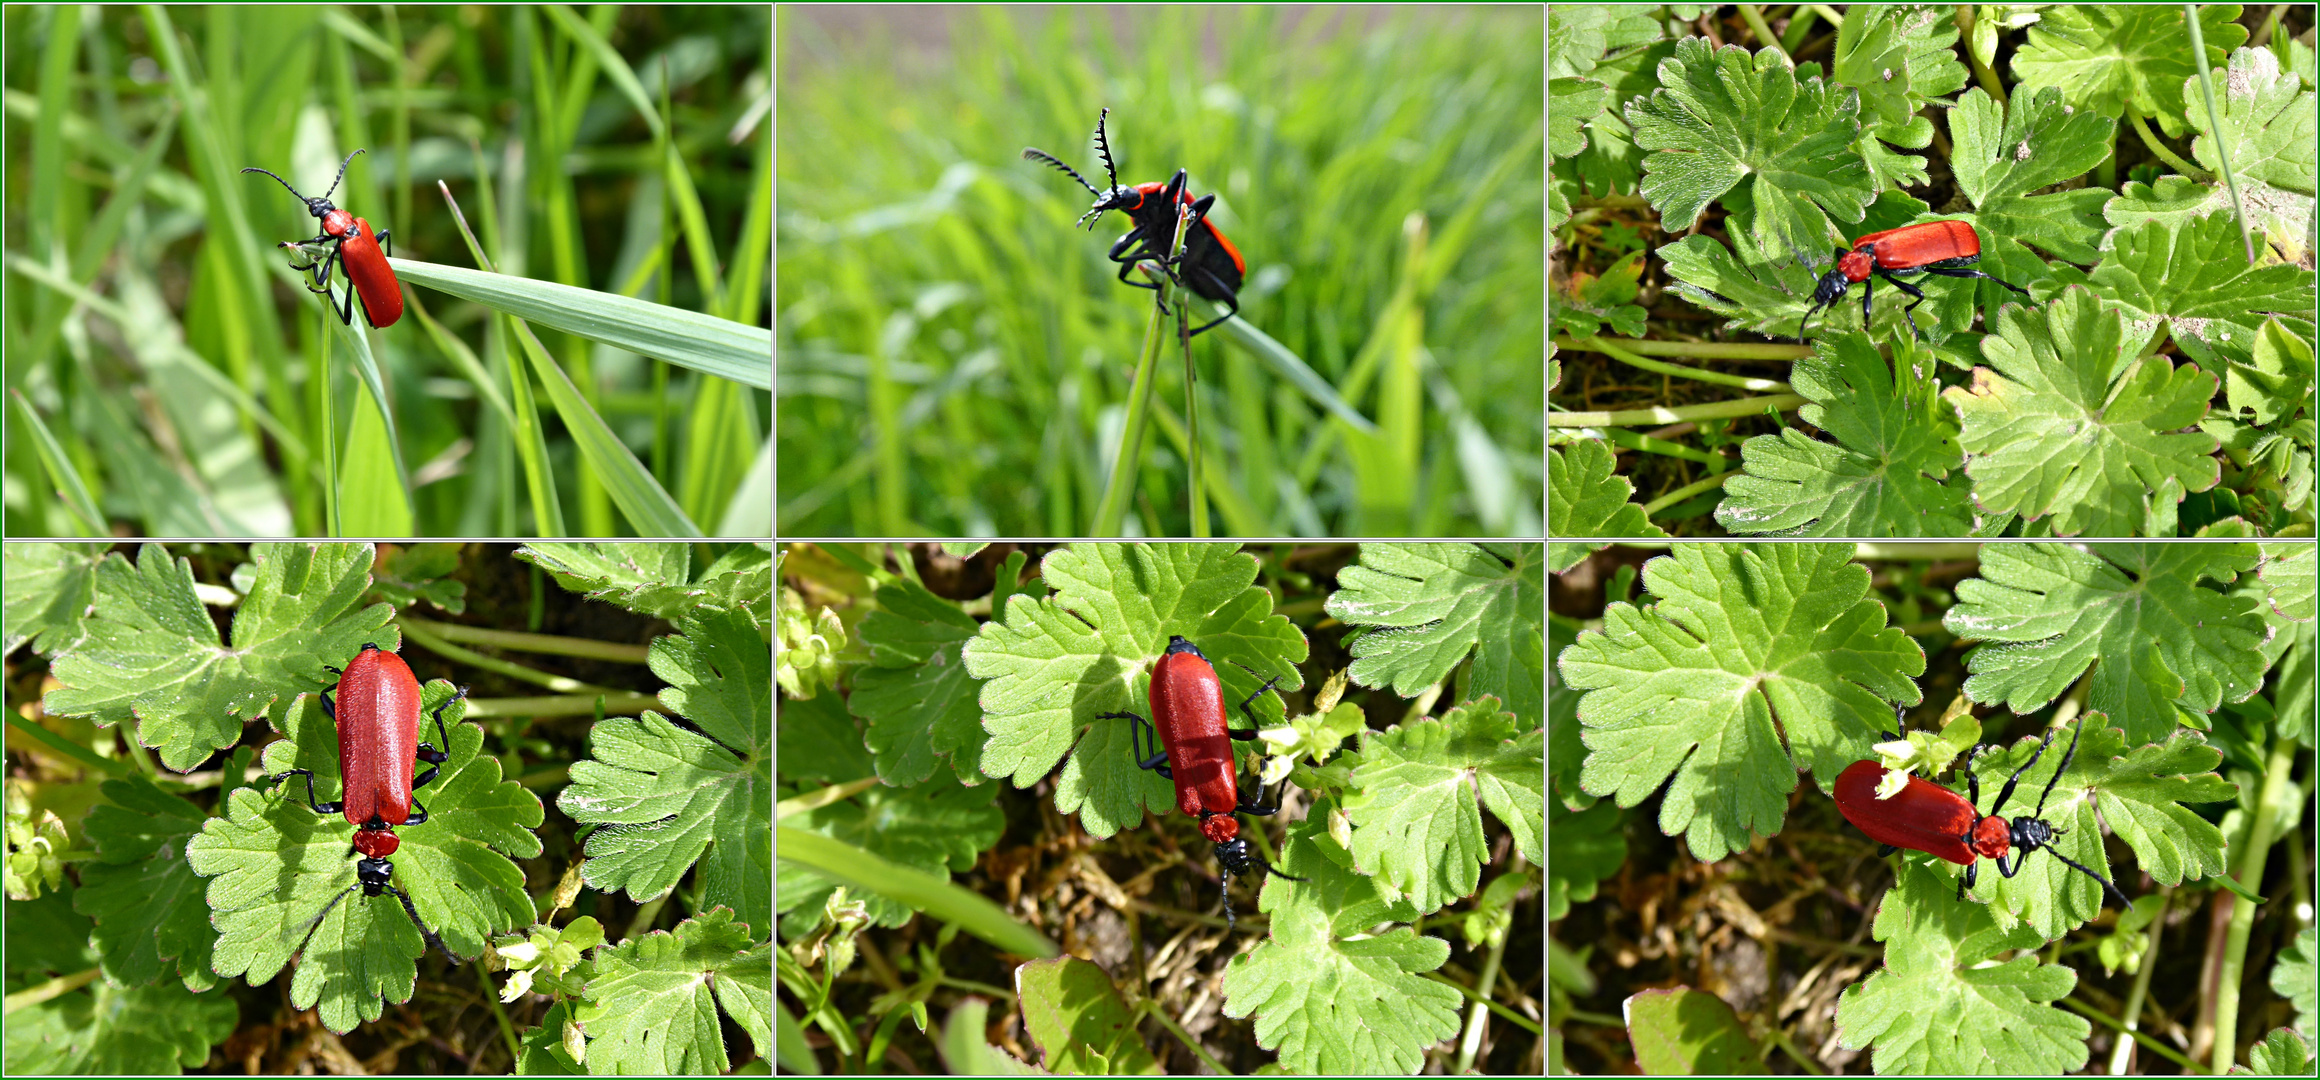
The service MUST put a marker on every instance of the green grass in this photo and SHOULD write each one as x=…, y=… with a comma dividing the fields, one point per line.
x=955, y=358
x=167, y=375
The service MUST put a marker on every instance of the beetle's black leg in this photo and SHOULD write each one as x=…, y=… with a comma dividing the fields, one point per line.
x=1957, y=273
x=1141, y=734
x=429, y=754
x=1911, y=290
x=2007, y=792
x=319, y=807
x=1231, y=299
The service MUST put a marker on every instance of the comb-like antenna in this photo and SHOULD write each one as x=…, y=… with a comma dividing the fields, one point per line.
x=1105, y=148
x=1030, y=154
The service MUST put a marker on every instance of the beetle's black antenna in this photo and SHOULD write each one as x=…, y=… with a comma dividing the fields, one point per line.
x=278, y=180
x=323, y=200
x=341, y=172
x=1029, y=154
x=1105, y=148
x=410, y=909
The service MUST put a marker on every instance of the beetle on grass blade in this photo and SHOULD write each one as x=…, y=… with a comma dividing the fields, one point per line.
x=1943, y=248
x=377, y=714
x=353, y=246
x=1210, y=265
x=1924, y=816
x=1196, y=754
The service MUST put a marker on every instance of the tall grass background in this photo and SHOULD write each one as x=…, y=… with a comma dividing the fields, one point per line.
x=166, y=374
x=954, y=358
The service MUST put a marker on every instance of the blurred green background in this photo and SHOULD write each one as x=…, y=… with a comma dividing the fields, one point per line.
x=954, y=358
x=167, y=375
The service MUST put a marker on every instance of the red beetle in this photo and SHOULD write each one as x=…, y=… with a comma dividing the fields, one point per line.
x=1210, y=266
x=1924, y=816
x=377, y=714
x=1934, y=247
x=1196, y=753
x=358, y=249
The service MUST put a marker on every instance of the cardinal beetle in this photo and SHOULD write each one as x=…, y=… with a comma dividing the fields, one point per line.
x=357, y=249
x=1924, y=816
x=1188, y=709
x=1210, y=265
x=377, y=713
x=1935, y=247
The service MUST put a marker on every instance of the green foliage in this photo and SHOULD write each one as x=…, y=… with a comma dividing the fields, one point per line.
x=1421, y=791
x=186, y=883
x=1333, y=996
x=1431, y=605
x=1723, y=117
x=151, y=922
x=2289, y=571
x=1692, y=685
x=2157, y=647
x=1097, y=1036
x=2139, y=791
x=115, y=1030
x=2293, y=976
x=1705, y=690
x=1941, y=1004
x=2192, y=271
x=1052, y=665
x=2111, y=59
x=1585, y=847
x=654, y=1006
x=1586, y=497
x=658, y=579
x=673, y=797
x=2284, y=1052
x=152, y=654
x=2058, y=425
x=937, y=827
x=1882, y=476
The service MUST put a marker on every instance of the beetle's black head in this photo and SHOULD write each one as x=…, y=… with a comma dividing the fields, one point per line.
x=1122, y=198
x=2030, y=834
x=373, y=875
x=1832, y=285
x=1234, y=855
x=1178, y=644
